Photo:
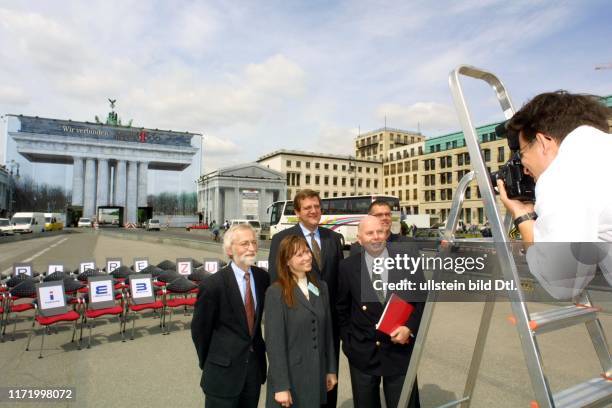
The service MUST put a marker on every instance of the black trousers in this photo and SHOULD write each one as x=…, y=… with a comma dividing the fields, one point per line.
x=248, y=398
x=332, y=396
x=366, y=390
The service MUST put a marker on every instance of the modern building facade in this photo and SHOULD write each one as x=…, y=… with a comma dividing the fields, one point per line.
x=376, y=144
x=329, y=174
x=239, y=192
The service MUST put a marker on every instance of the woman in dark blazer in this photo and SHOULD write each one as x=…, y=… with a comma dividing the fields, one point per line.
x=298, y=331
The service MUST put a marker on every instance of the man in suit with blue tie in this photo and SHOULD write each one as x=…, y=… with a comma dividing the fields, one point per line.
x=226, y=325
x=326, y=247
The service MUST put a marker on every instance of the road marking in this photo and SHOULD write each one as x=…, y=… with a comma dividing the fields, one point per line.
x=36, y=255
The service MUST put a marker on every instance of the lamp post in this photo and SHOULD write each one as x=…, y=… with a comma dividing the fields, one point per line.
x=13, y=175
x=352, y=170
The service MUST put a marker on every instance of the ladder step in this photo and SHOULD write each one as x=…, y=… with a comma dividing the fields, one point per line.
x=542, y=322
x=593, y=393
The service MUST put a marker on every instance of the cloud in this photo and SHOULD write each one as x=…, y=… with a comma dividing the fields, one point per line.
x=335, y=140
x=217, y=146
x=12, y=95
x=429, y=116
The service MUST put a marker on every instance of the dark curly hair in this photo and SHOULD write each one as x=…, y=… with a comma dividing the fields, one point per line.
x=558, y=113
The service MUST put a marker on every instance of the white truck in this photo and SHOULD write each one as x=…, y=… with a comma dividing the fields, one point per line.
x=420, y=220
x=28, y=222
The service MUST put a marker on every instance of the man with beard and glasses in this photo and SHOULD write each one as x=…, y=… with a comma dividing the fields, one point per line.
x=226, y=325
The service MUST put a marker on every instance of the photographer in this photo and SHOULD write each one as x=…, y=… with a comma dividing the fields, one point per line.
x=565, y=147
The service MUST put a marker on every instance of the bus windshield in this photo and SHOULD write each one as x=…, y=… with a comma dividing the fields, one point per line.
x=276, y=212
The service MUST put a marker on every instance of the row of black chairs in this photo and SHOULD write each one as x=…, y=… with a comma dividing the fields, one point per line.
x=169, y=290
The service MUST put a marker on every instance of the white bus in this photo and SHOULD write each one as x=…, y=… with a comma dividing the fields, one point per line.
x=340, y=214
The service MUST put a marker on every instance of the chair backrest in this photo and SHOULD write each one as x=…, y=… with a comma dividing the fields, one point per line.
x=51, y=299
x=23, y=268
x=140, y=264
x=54, y=267
x=101, y=292
x=184, y=266
x=85, y=265
x=212, y=265
x=141, y=288
x=112, y=264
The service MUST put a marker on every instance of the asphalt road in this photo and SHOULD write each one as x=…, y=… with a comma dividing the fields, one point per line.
x=158, y=371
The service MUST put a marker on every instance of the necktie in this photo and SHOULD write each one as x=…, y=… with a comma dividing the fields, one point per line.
x=316, y=249
x=249, y=304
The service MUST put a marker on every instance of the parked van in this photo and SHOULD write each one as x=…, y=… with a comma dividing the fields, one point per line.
x=25, y=222
x=53, y=222
x=254, y=223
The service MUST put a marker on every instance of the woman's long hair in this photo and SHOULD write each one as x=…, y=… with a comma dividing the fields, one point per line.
x=290, y=246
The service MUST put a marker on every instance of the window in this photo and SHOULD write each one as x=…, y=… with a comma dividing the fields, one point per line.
x=386, y=183
x=375, y=183
x=288, y=163
x=335, y=167
x=392, y=170
x=367, y=169
x=407, y=179
x=335, y=181
x=400, y=168
x=415, y=165
x=368, y=183
x=449, y=161
x=487, y=155
x=343, y=181
x=433, y=195
x=426, y=162
x=442, y=178
x=414, y=194
x=485, y=137
x=317, y=179
x=359, y=169
x=326, y=166
x=481, y=215
x=307, y=164
x=399, y=194
x=392, y=181
x=443, y=195
x=375, y=170
x=326, y=194
x=317, y=166
x=442, y=163
x=500, y=154
x=359, y=182
x=308, y=179
x=326, y=180
x=298, y=163
x=414, y=178
x=468, y=194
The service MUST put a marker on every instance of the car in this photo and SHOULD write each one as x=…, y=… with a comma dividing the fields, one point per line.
x=28, y=222
x=5, y=227
x=427, y=239
x=253, y=223
x=84, y=222
x=153, y=224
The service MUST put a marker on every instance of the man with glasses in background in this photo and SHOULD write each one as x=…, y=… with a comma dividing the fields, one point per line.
x=382, y=210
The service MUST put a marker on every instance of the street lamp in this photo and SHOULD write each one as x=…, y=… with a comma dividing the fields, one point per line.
x=353, y=171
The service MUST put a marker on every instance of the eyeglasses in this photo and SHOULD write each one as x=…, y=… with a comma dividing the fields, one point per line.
x=524, y=149
x=245, y=244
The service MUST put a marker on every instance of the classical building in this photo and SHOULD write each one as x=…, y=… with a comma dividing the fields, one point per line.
x=244, y=191
x=110, y=163
x=329, y=174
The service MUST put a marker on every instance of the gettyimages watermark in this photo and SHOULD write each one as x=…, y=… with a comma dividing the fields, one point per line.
x=473, y=272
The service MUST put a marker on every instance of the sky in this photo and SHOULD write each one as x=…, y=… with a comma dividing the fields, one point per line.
x=258, y=76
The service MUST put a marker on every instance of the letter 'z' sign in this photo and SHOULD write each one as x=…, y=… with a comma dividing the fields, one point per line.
x=184, y=266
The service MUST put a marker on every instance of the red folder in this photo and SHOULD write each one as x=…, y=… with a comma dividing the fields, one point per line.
x=396, y=314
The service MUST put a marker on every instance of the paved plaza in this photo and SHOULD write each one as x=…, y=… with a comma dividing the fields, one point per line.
x=154, y=370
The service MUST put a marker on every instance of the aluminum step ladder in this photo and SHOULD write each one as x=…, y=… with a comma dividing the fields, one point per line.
x=596, y=392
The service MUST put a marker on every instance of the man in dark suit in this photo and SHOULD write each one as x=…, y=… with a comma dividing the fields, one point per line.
x=226, y=325
x=382, y=210
x=326, y=247
x=373, y=356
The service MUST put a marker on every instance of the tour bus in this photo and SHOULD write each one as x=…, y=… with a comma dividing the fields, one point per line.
x=340, y=214
x=26, y=222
